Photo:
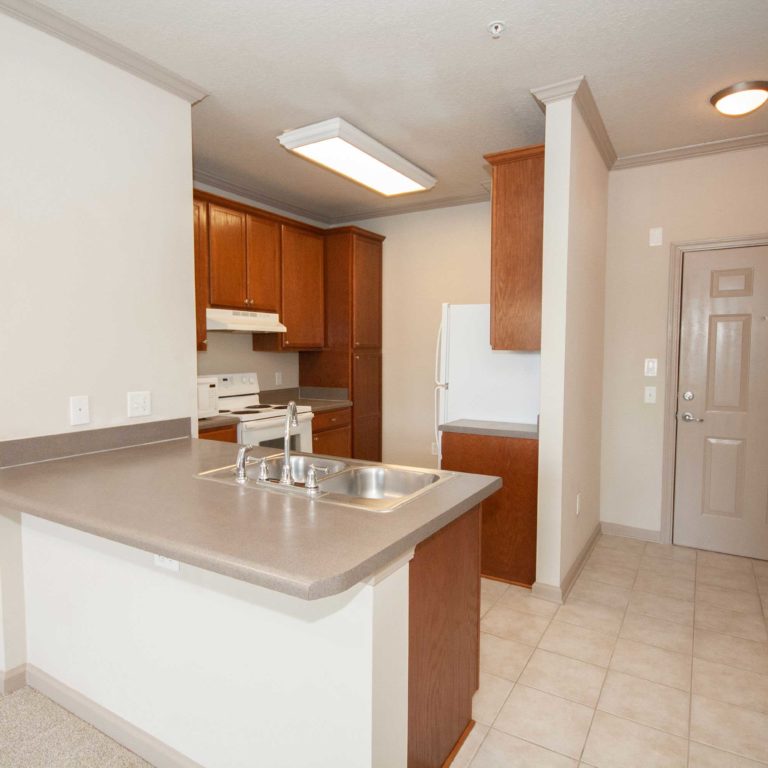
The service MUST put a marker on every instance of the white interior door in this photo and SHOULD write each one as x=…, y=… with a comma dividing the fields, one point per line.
x=721, y=475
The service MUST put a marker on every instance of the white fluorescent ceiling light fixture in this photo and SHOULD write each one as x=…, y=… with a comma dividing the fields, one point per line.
x=337, y=145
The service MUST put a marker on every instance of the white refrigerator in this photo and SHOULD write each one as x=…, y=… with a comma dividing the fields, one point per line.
x=473, y=381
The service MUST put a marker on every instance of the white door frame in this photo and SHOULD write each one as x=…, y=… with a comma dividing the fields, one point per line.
x=677, y=253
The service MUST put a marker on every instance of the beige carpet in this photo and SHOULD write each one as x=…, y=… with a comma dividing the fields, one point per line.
x=36, y=733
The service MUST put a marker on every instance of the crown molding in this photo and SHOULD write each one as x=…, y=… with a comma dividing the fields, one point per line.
x=565, y=89
x=57, y=25
x=578, y=89
x=254, y=196
x=379, y=213
x=692, y=150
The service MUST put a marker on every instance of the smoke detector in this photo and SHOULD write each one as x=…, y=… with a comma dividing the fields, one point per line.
x=496, y=28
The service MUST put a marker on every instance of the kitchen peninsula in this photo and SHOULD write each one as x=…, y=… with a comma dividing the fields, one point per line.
x=272, y=629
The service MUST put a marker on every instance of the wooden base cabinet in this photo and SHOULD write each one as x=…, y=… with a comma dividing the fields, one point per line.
x=224, y=434
x=332, y=433
x=444, y=640
x=508, y=551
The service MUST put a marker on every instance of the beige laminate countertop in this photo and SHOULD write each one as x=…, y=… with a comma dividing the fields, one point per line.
x=150, y=497
x=316, y=404
x=492, y=428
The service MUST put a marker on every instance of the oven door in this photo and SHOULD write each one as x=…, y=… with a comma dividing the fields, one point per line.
x=270, y=433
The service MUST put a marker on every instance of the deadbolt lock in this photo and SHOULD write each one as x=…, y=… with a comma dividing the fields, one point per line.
x=688, y=395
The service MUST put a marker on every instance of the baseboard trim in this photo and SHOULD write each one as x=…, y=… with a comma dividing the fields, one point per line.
x=130, y=736
x=629, y=532
x=573, y=572
x=13, y=679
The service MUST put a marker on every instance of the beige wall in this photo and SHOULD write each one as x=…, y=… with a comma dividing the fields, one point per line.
x=96, y=254
x=233, y=352
x=584, y=343
x=703, y=198
x=96, y=239
x=575, y=210
x=430, y=257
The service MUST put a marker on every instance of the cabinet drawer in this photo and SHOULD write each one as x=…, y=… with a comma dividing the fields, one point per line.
x=224, y=434
x=331, y=419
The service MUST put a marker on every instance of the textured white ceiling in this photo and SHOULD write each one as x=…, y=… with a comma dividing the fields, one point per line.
x=426, y=78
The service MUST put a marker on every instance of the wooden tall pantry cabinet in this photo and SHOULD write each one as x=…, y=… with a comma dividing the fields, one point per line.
x=351, y=358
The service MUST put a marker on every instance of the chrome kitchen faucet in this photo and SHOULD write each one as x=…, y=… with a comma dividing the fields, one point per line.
x=291, y=420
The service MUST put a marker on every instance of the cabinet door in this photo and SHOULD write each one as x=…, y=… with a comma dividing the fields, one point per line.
x=263, y=264
x=443, y=640
x=227, y=246
x=200, y=222
x=366, y=411
x=509, y=516
x=303, y=305
x=333, y=442
x=517, y=229
x=366, y=294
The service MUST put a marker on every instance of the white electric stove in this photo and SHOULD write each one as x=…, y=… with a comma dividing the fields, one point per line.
x=262, y=424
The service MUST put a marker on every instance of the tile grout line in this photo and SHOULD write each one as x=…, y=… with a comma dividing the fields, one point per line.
x=608, y=668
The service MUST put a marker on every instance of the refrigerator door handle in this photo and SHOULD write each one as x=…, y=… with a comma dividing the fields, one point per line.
x=438, y=383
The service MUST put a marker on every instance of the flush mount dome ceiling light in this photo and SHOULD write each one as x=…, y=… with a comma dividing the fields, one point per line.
x=337, y=145
x=741, y=98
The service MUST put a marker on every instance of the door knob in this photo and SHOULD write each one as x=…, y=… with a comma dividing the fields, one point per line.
x=688, y=416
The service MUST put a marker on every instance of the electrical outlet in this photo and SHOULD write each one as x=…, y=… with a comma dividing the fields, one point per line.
x=278, y=378
x=139, y=404
x=79, y=410
x=167, y=563
x=578, y=504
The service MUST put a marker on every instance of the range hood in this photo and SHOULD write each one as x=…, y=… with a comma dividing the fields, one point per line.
x=240, y=320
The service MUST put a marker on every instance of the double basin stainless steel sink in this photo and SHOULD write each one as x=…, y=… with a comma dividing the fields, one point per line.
x=373, y=487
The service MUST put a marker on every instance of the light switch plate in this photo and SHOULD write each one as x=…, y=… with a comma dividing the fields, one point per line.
x=650, y=395
x=655, y=236
x=651, y=366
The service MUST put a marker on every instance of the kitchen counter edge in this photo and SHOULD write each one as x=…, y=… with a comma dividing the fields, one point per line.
x=476, y=489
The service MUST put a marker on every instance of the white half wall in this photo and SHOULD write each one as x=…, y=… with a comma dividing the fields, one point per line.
x=575, y=213
x=226, y=673
x=701, y=198
x=96, y=247
x=430, y=257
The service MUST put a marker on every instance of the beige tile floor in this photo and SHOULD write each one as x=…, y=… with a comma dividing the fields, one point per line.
x=658, y=658
x=36, y=733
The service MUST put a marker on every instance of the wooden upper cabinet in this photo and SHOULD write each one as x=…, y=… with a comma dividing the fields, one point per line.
x=227, y=257
x=262, y=264
x=200, y=223
x=303, y=303
x=517, y=227
x=366, y=293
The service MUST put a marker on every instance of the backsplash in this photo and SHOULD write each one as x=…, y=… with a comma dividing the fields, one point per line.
x=232, y=352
